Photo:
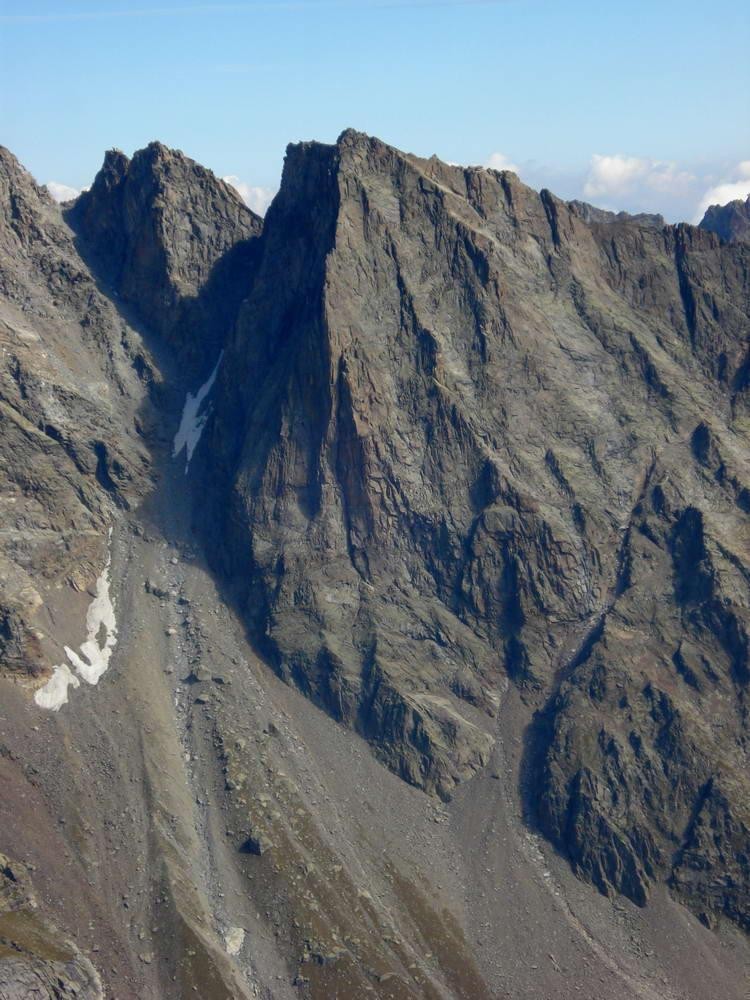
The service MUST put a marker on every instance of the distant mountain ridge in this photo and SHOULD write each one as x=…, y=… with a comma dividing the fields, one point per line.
x=731, y=222
x=590, y=213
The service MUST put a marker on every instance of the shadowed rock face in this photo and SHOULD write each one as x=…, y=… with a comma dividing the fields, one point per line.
x=173, y=240
x=731, y=222
x=467, y=433
x=174, y=243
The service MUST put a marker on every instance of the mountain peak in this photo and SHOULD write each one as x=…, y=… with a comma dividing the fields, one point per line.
x=160, y=228
x=730, y=222
x=352, y=137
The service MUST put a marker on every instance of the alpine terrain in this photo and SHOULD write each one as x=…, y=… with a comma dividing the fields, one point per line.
x=374, y=588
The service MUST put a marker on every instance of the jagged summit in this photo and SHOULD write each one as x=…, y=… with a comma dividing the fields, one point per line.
x=730, y=222
x=590, y=213
x=21, y=198
x=11, y=165
x=171, y=238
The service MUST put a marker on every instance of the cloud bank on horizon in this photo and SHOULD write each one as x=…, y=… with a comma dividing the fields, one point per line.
x=637, y=184
x=728, y=190
x=618, y=175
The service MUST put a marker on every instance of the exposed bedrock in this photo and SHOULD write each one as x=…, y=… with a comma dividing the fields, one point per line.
x=465, y=432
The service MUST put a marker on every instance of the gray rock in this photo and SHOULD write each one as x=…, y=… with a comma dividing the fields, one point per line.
x=493, y=471
x=730, y=222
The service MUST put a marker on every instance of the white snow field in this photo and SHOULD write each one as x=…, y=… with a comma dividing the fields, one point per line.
x=193, y=421
x=54, y=694
x=93, y=658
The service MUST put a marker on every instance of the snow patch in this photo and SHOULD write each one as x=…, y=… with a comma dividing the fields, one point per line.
x=95, y=656
x=95, y=653
x=234, y=939
x=193, y=421
x=54, y=694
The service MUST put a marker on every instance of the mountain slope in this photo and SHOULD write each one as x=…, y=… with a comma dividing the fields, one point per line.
x=466, y=495
x=82, y=402
x=73, y=378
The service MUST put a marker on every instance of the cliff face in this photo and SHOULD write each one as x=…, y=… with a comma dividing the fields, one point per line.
x=472, y=469
x=730, y=222
x=172, y=240
x=467, y=437
x=73, y=378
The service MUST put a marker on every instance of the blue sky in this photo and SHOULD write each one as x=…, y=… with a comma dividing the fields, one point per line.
x=636, y=105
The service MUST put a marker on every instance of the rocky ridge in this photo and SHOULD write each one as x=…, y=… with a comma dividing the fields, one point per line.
x=731, y=222
x=590, y=213
x=173, y=241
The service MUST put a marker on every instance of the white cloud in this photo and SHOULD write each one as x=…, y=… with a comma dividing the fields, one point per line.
x=256, y=198
x=612, y=174
x=61, y=192
x=621, y=182
x=499, y=161
x=618, y=175
x=727, y=190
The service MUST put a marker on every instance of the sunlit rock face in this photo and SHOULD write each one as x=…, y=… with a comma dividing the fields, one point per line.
x=468, y=434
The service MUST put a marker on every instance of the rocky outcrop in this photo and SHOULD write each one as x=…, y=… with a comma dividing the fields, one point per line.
x=590, y=213
x=632, y=757
x=172, y=240
x=731, y=222
x=465, y=428
x=36, y=960
x=73, y=381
